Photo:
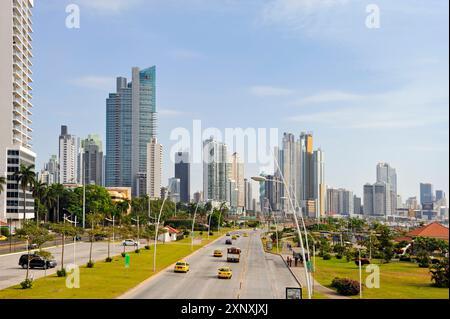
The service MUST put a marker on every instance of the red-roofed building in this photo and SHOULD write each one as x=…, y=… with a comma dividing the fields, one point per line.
x=433, y=230
x=171, y=234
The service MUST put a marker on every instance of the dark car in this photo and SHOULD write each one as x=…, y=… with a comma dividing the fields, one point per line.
x=228, y=242
x=36, y=261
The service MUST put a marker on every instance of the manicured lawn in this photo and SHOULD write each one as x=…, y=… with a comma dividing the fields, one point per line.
x=109, y=280
x=398, y=280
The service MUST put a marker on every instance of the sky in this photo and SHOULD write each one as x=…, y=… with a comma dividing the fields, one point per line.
x=368, y=95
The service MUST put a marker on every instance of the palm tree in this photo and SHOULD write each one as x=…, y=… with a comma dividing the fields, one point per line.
x=25, y=176
x=56, y=191
x=39, y=190
x=94, y=219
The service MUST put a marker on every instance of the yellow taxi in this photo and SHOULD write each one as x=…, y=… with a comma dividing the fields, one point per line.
x=182, y=266
x=245, y=235
x=218, y=253
x=234, y=238
x=3, y=238
x=225, y=273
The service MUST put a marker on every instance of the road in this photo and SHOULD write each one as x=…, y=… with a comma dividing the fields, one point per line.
x=257, y=276
x=12, y=274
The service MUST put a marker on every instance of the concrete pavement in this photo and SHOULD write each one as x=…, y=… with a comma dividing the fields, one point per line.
x=257, y=276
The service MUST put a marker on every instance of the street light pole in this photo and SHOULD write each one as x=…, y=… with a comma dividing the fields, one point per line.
x=193, y=224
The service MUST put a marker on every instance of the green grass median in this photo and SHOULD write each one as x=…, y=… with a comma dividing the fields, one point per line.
x=398, y=280
x=109, y=280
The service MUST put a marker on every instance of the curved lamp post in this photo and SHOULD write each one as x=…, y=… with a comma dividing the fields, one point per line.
x=193, y=224
x=156, y=234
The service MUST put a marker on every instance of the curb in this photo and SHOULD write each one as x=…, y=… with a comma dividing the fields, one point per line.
x=159, y=273
x=290, y=270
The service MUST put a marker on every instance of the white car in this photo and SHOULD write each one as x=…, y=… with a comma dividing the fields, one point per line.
x=130, y=242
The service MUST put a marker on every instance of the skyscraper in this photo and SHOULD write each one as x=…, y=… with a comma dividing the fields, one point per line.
x=381, y=199
x=15, y=104
x=216, y=170
x=426, y=194
x=183, y=173
x=388, y=175
x=357, y=205
x=154, y=168
x=50, y=174
x=92, y=160
x=130, y=126
x=319, y=193
x=237, y=174
x=248, y=195
x=174, y=189
x=368, y=200
x=68, y=157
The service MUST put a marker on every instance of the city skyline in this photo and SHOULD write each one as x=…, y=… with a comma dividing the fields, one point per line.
x=361, y=139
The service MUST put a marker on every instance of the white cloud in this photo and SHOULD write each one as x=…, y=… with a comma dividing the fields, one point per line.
x=108, y=6
x=300, y=14
x=103, y=83
x=263, y=91
x=410, y=107
x=327, y=97
x=184, y=54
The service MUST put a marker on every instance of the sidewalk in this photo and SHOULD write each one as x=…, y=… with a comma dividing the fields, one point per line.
x=299, y=273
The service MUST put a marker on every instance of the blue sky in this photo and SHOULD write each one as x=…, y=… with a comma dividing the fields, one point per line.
x=368, y=95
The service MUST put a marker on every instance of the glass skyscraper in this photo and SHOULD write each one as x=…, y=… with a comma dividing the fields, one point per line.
x=130, y=126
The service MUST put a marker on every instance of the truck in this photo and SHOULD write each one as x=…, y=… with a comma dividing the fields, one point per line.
x=233, y=254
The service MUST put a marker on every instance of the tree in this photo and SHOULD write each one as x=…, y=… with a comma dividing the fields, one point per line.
x=386, y=246
x=439, y=274
x=25, y=176
x=149, y=233
x=93, y=219
x=64, y=230
x=39, y=191
x=33, y=234
x=53, y=200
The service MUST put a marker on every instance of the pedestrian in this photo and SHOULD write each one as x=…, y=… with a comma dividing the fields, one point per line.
x=296, y=261
x=287, y=260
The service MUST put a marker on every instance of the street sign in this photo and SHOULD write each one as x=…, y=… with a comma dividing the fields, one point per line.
x=294, y=293
x=127, y=261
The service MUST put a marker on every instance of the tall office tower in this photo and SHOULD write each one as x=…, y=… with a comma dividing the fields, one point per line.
x=130, y=126
x=183, y=173
x=357, y=205
x=174, y=189
x=388, y=175
x=50, y=174
x=68, y=157
x=154, y=168
x=319, y=193
x=248, y=195
x=15, y=105
x=347, y=207
x=368, y=200
x=440, y=195
x=237, y=174
x=92, y=160
x=426, y=194
x=332, y=201
x=216, y=170
x=381, y=199
x=232, y=195
x=307, y=165
x=272, y=192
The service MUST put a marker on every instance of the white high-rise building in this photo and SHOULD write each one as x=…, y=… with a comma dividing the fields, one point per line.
x=15, y=104
x=154, y=168
x=216, y=171
x=319, y=182
x=68, y=158
x=237, y=174
x=387, y=174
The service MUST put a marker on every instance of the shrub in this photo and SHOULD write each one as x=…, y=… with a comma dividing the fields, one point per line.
x=338, y=256
x=137, y=251
x=90, y=264
x=211, y=233
x=346, y=286
x=364, y=261
x=201, y=233
x=440, y=274
x=27, y=284
x=123, y=254
x=4, y=231
x=108, y=259
x=326, y=256
x=147, y=247
x=61, y=273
